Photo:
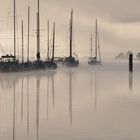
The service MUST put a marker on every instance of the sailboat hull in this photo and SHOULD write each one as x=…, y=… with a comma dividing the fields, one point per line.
x=94, y=62
x=70, y=62
x=19, y=67
x=51, y=64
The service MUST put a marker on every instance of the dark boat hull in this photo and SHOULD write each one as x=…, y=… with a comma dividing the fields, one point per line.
x=70, y=62
x=94, y=62
x=17, y=67
x=51, y=64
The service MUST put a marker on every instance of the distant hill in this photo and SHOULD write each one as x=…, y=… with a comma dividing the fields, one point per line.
x=138, y=55
x=123, y=55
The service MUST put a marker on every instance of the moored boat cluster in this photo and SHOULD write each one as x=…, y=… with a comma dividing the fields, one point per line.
x=10, y=62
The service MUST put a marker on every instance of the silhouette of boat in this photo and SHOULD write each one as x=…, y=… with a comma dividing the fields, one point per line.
x=10, y=63
x=71, y=61
x=97, y=58
x=38, y=64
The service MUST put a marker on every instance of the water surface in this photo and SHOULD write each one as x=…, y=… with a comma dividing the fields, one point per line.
x=85, y=103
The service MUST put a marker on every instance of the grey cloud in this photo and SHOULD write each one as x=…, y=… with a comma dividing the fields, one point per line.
x=109, y=12
x=117, y=10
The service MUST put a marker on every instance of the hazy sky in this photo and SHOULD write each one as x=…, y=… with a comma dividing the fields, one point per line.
x=118, y=22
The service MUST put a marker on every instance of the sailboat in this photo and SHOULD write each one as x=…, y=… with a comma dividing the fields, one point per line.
x=9, y=62
x=93, y=60
x=50, y=64
x=38, y=64
x=71, y=61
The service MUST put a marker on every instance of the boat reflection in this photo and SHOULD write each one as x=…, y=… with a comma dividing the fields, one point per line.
x=7, y=79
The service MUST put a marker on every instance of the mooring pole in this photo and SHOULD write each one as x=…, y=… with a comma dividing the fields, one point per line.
x=131, y=62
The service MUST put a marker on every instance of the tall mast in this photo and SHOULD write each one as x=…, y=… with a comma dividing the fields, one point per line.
x=22, y=44
x=99, y=48
x=14, y=30
x=71, y=32
x=48, y=43
x=38, y=34
x=28, y=33
x=91, y=46
x=53, y=41
x=96, y=38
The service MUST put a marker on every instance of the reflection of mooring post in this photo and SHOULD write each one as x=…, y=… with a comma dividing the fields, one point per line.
x=130, y=81
x=130, y=62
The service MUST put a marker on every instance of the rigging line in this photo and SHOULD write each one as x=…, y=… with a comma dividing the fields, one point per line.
x=2, y=49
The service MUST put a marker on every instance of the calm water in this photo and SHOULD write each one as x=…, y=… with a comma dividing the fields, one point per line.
x=85, y=103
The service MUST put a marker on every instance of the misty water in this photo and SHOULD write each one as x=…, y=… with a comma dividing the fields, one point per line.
x=84, y=103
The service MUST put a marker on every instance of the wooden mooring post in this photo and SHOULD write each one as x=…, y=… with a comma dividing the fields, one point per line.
x=130, y=62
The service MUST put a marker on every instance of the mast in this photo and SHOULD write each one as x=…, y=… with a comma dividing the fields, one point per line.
x=91, y=46
x=48, y=44
x=14, y=30
x=38, y=34
x=71, y=32
x=22, y=43
x=28, y=33
x=99, y=48
x=53, y=41
x=96, y=39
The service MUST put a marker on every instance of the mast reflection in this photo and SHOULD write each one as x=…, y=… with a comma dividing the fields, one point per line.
x=48, y=81
x=28, y=113
x=37, y=105
x=14, y=110
x=96, y=91
x=53, y=95
x=95, y=85
x=22, y=99
x=70, y=95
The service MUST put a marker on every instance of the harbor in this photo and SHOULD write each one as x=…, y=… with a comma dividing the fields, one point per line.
x=69, y=70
